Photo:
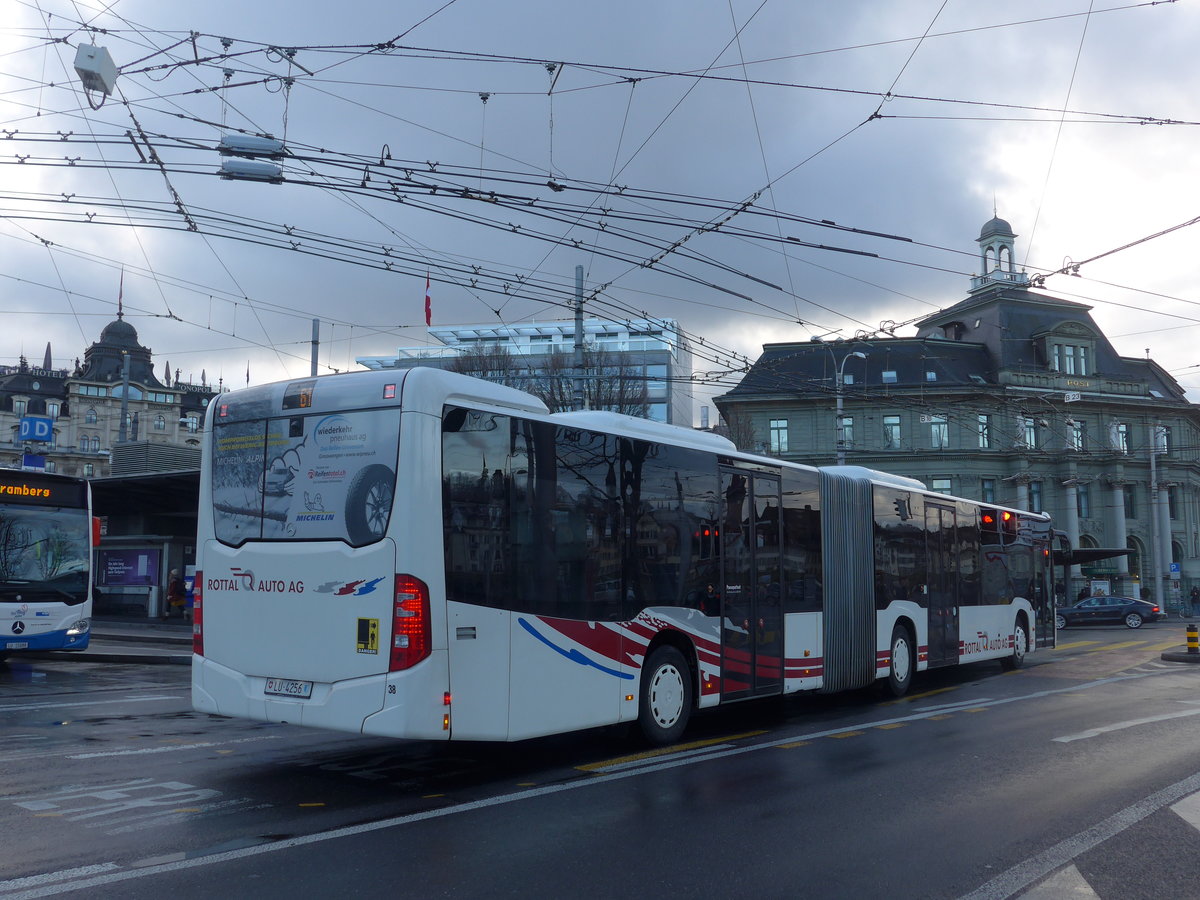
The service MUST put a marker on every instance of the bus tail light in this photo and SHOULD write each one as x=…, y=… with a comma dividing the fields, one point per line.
x=411, y=631
x=197, y=615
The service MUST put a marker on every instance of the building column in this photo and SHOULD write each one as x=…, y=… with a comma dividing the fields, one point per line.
x=1071, y=510
x=1119, y=535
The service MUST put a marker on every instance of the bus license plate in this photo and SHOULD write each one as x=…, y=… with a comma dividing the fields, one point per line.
x=17, y=645
x=284, y=687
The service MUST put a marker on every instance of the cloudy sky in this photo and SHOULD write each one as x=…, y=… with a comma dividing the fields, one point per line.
x=691, y=155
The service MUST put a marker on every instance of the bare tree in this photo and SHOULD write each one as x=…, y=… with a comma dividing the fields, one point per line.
x=739, y=428
x=608, y=382
x=491, y=362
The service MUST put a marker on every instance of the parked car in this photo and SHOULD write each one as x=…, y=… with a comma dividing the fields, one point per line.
x=1108, y=610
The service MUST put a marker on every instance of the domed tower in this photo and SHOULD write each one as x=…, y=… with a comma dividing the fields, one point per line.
x=104, y=360
x=996, y=257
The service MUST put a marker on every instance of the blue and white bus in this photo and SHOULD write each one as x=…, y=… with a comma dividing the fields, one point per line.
x=46, y=541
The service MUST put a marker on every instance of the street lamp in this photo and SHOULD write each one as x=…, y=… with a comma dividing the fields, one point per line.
x=841, y=443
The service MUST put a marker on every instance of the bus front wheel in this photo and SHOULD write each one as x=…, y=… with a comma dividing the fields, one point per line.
x=903, y=660
x=1020, y=646
x=666, y=696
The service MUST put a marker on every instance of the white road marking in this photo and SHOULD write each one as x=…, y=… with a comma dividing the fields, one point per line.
x=16, y=884
x=1119, y=726
x=634, y=763
x=1188, y=809
x=1020, y=876
x=1063, y=885
x=172, y=748
x=86, y=703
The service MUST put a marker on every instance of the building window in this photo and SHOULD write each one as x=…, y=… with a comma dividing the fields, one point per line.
x=88, y=470
x=1083, y=500
x=1070, y=359
x=1035, y=496
x=1162, y=441
x=1130, y=504
x=89, y=417
x=1172, y=502
x=1030, y=434
x=192, y=423
x=891, y=432
x=848, y=378
x=939, y=433
x=160, y=423
x=987, y=490
x=51, y=466
x=52, y=410
x=1120, y=437
x=931, y=376
x=1077, y=436
x=95, y=443
x=889, y=376
x=847, y=431
x=940, y=484
x=779, y=436
x=985, y=432
x=19, y=407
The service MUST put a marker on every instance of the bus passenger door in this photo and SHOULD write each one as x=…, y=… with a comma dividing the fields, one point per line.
x=751, y=581
x=943, y=584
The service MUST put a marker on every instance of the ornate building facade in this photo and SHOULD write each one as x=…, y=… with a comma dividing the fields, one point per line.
x=1012, y=396
x=82, y=420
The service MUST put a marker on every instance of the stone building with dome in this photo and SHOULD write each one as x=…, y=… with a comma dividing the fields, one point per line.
x=1013, y=396
x=107, y=414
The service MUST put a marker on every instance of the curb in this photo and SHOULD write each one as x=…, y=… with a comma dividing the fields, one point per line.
x=1181, y=656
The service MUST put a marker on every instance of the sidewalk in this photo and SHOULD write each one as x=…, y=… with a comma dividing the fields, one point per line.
x=116, y=640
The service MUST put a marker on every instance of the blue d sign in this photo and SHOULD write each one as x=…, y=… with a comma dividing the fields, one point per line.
x=35, y=428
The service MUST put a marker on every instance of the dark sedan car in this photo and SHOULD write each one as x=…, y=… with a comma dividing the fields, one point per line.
x=1108, y=610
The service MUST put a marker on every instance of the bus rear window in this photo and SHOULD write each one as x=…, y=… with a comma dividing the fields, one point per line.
x=305, y=477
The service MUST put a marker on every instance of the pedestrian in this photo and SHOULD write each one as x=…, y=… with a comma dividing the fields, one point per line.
x=1193, y=599
x=1084, y=593
x=175, y=597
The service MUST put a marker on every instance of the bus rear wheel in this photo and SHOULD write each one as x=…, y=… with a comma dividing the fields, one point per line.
x=903, y=660
x=666, y=696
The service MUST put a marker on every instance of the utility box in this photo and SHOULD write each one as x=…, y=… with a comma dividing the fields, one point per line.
x=95, y=69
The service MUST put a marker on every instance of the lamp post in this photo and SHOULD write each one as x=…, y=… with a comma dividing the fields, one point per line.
x=841, y=443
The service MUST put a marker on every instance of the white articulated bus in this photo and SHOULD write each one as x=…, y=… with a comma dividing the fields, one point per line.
x=46, y=538
x=421, y=554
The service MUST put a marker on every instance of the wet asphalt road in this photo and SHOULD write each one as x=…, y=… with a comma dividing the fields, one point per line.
x=106, y=774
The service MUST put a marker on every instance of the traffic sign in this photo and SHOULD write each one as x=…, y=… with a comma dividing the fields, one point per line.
x=36, y=428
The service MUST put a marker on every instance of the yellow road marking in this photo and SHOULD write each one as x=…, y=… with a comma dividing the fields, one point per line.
x=432, y=796
x=976, y=709
x=1166, y=645
x=1074, y=644
x=940, y=717
x=793, y=745
x=677, y=748
x=526, y=784
x=845, y=734
x=310, y=804
x=911, y=697
x=187, y=809
x=1122, y=646
x=888, y=725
